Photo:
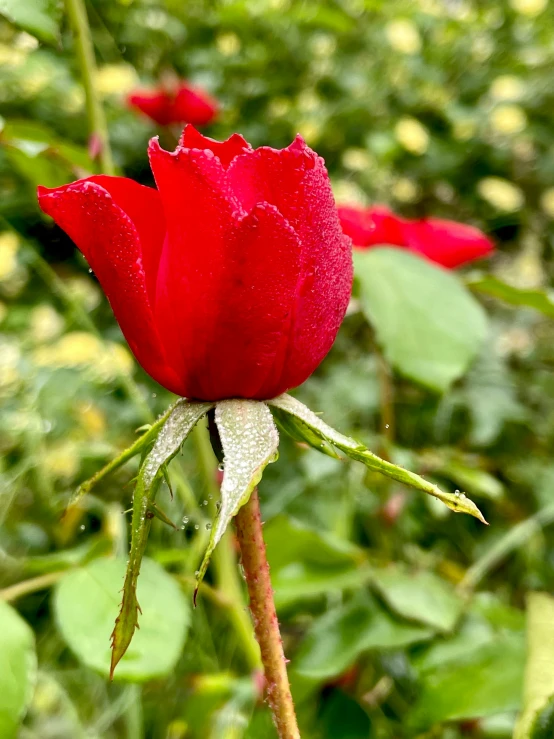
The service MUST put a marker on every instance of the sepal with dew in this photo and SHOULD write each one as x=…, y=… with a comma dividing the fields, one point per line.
x=179, y=422
x=309, y=426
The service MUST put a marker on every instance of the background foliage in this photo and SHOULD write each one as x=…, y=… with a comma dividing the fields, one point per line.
x=400, y=618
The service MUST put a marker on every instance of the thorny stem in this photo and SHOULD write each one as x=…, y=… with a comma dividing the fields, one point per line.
x=98, y=126
x=224, y=558
x=262, y=606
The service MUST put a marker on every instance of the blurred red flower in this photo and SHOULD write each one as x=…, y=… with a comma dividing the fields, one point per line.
x=448, y=243
x=182, y=104
x=229, y=280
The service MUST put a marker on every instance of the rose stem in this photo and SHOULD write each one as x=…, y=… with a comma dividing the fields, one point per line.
x=98, y=126
x=224, y=558
x=262, y=606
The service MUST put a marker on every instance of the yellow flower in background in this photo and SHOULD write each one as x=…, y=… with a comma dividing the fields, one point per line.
x=507, y=87
x=403, y=36
x=508, y=119
x=91, y=418
x=62, y=460
x=310, y=130
x=228, y=44
x=547, y=202
x=501, y=194
x=530, y=8
x=357, y=160
x=412, y=135
x=116, y=79
x=405, y=190
x=79, y=349
x=464, y=129
x=9, y=246
x=46, y=323
x=346, y=191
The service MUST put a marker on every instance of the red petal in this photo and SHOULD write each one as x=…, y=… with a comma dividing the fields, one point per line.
x=156, y=104
x=111, y=243
x=225, y=151
x=296, y=181
x=194, y=106
x=447, y=243
x=201, y=212
x=372, y=226
x=246, y=304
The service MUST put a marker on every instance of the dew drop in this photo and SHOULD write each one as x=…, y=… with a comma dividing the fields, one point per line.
x=196, y=573
x=185, y=519
x=220, y=467
x=82, y=527
x=387, y=425
x=208, y=526
x=204, y=502
x=196, y=527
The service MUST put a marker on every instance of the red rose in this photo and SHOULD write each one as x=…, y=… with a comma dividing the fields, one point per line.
x=448, y=243
x=229, y=280
x=185, y=104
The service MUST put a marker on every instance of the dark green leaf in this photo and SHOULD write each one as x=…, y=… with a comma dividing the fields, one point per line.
x=336, y=640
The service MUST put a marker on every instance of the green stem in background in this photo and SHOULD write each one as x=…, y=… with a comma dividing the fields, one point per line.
x=386, y=402
x=132, y=715
x=514, y=539
x=224, y=559
x=98, y=127
x=262, y=606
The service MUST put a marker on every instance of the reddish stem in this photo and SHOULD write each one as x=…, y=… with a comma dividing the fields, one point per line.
x=256, y=568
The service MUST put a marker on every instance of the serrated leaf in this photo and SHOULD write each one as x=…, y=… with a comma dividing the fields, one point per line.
x=459, y=503
x=538, y=689
x=250, y=441
x=539, y=300
x=428, y=324
x=181, y=419
x=18, y=665
x=38, y=17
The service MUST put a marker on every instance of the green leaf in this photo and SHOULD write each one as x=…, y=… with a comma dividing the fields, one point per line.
x=312, y=563
x=18, y=668
x=421, y=596
x=250, y=441
x=487, y=682
x=86, y=603
x=178, y=423
x=303, y=417
x=538, y=689
x=38, y=17
x=336, y=640
x=539, y=300
x=428, y=324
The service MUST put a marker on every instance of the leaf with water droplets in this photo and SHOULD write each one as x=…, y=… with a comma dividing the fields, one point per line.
x=179, y=422
x=303, y=418
x=250, y=441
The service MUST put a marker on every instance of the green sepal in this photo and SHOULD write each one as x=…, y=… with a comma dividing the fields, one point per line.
x=178, y=423
x=303, y=417
x=250, y=441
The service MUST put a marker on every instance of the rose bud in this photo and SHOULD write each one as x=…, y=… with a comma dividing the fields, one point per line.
x=183, y=104
x=231, y=279
x=447, y=243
